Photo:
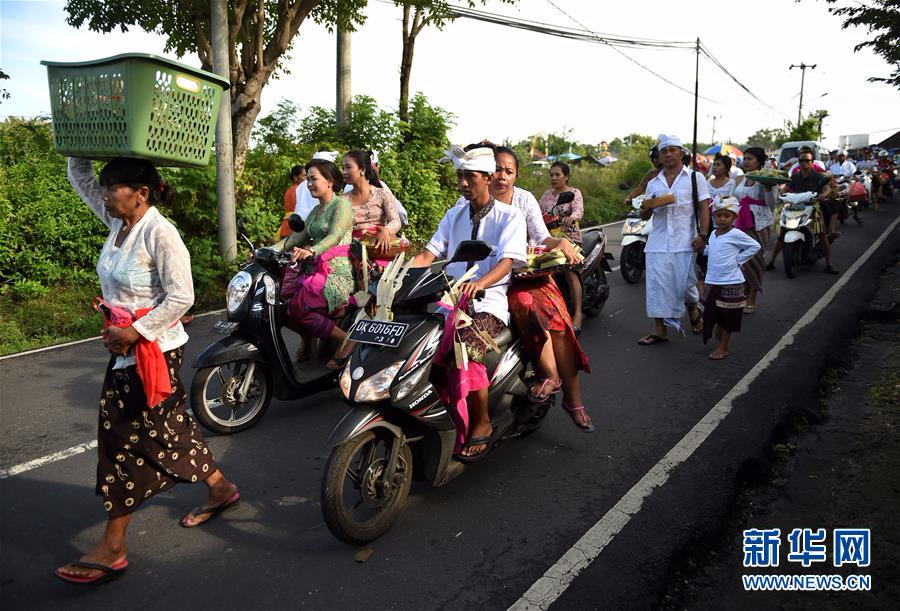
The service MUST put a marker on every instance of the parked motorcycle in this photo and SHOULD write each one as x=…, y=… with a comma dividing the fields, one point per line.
x=595, y=288
x=398, y=429
x=635, y=232
x=801, y=243
x=237, y=376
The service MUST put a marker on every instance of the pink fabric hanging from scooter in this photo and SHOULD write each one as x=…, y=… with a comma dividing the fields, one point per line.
x=454, y=384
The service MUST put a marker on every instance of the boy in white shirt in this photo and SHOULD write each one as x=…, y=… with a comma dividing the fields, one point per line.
x=723, y=298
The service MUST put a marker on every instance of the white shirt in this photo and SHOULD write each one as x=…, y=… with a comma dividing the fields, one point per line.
x=673, y=225
x=401, y=211
x=152, y=267
x=504, y=229
x=842, y=169
x=527, y=204
x=727, y=252
x=735, y=171
x=305, y=201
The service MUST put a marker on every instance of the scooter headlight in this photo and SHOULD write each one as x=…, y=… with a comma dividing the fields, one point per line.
x=410, y=382
x=377, y=387
x=793, y=223
x=237, y=291
x=271, y=290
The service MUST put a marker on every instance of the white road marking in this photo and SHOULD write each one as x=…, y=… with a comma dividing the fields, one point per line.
x=46, y=460
x=79, y=341
x=557, y=579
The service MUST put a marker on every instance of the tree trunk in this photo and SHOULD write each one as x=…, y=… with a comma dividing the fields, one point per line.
x=410, y=31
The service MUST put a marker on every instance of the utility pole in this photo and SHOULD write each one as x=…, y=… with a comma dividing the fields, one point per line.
x=224, y=144
x=343, y=76
x=712, y=139
x=803, y=68
x=696, y=103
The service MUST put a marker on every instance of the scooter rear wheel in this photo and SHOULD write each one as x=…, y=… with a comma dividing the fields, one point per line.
x=214, y=397
x=631, y=266
x=357, y=505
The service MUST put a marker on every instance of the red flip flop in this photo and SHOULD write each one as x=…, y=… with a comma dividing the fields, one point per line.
x=202, y=510
x=107, y=573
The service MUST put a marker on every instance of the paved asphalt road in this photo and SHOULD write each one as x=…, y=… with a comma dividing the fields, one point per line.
x=479, y=542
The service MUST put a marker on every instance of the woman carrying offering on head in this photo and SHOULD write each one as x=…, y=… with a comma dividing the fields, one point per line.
x=538, y=307
x=755, y=218
x=503, y=227
x=569, y=215
x=147, y=442
x=323, y=295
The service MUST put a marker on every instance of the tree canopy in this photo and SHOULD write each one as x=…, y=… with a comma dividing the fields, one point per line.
x=881, y=18
x=260, y=37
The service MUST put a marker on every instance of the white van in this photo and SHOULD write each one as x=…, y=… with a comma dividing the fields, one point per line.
x=789, y=150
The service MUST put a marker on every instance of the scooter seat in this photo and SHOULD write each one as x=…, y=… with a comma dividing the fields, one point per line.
x=590, y=240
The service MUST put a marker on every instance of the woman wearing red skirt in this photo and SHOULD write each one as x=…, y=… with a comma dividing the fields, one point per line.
x=538, y=307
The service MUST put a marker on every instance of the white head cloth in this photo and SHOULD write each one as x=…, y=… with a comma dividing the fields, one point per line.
x=326, y=155
x=374, y=158
x=667, y=141
x=727, y=203
x=476, y=160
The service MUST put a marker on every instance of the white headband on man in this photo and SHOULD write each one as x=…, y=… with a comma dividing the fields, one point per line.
x=476, y=160
x=326, y=155
x=669, y=141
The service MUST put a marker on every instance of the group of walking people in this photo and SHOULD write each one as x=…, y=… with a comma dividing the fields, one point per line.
x=147, y=440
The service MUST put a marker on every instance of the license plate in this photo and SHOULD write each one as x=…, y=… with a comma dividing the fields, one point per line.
x=225, y=326
x=378, y=332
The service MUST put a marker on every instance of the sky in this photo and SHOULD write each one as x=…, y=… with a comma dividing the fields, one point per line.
x=503, y=83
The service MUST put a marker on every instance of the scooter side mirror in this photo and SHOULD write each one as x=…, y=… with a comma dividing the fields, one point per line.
x=296, y=223
x=637, y=202
x=241, y=227
x=565, y=198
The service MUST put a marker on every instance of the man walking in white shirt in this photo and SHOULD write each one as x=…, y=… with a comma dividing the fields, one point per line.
x=673, y=242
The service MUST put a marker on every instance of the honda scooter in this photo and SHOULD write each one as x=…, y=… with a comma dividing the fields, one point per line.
x=801, y=244
x=238, y=375
x=635, y=232
x=398, y=429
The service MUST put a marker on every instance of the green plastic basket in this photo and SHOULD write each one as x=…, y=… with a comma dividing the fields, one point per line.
x=134, y=105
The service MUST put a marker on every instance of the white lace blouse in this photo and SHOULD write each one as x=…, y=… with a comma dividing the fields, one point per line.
x=152, y=267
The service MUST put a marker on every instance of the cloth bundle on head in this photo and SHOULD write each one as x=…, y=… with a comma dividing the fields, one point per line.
x=726, y=203
x=326, y=155
x=476, y=160
x=668, y=141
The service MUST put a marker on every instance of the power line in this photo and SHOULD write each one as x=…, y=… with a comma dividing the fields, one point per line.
x=709, y=55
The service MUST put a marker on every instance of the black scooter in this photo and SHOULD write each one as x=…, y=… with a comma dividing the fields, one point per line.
x=238, y=375
x=398, y=429
x=595, y=288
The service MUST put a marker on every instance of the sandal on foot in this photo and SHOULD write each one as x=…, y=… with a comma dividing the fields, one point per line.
x=486, y=441
x=202, y=510
x=649, y=340
x=717, y=356
x=749, y=309
x=770, y=267
x=579, y=408
x=107, y=572
x=542, y=396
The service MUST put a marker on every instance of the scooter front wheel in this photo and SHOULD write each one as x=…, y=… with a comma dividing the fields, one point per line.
x=231, y=397
x=631, y=264
x=358, y=503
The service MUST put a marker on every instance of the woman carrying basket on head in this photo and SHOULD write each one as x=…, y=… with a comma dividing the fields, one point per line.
x=147, y=442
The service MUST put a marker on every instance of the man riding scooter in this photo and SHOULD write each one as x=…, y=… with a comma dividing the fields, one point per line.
x=805, y=180
x=504, y=228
